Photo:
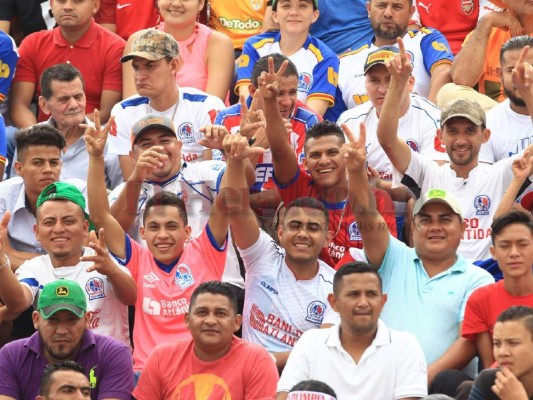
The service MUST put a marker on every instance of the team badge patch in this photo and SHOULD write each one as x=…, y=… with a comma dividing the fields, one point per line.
x=183, y=277
x=256, y=4
x=482, y=204
x=305, y=81
x=95, y=288
x=413, y=144
x=315, y=312
x=467, y=6
x=354, y=232
x=186, y=132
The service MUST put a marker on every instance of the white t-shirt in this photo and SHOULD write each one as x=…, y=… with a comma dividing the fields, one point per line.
x=478, y=196
x=195, y=109
x=108, y=315
x=278, y=308
x=510, y=133
x=392, y=367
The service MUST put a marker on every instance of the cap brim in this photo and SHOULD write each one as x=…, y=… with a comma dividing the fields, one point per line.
x=527, y=201
x=141, y=54
x=149, y=128
x=47, y=312
x=372, y=66
x=460, y=115
x=419, y=208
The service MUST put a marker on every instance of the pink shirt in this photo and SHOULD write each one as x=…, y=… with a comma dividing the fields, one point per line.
x=163, y=298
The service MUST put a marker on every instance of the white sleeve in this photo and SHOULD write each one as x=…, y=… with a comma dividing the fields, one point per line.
x=120, y=135
x=486, y=153
x=298, y=364
x=28, y=278
x=411, y=368
x=261, y=254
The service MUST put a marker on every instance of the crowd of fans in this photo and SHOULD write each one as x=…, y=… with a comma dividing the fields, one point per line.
x=283, y=199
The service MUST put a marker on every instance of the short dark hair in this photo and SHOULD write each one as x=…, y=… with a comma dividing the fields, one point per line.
x=165, y=198
x=312, y=385
x=325, y=128
x=261, y=65
x=308, y=202
x=46, y=378
x=38, y=135
x=216, y=287
x=356, y=267
x=518, y=313
x=61, y=73
x=512, y=217
x=515, y=43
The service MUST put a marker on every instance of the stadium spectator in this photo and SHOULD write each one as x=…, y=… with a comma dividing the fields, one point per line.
x=66, y=378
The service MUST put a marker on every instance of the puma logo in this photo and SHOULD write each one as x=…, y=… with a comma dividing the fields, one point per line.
x=420, y=4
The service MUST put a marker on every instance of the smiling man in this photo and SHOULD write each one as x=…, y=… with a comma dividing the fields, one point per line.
x=360, y=357
x=213, y=363
x=513, y=350
x=62, y=322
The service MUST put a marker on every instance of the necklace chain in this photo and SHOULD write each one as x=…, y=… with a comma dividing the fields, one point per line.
x=341, y=218
x=173, y=112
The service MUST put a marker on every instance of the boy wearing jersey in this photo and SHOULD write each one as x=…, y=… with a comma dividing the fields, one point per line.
x=317, y=64
x=326, y=177
x=170, y=268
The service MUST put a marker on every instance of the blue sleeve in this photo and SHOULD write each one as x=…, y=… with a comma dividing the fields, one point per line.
x=3, y=141
x=247, y=61
x=435, y=49
x=333, y=113
x=325, y=76
x=8, y=63
x=219, y=119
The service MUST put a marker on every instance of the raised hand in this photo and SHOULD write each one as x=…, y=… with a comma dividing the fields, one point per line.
x=523, y=166
x=4, y=239
x=213, y=136
x=236, y=147
x=508, y=387
x=96, y=136
x=269, y=81
x=522, y=74
x=252, y=119
x=400, y=66
x=148, y=161
x=102, y=260
x=507, y=21
x=354, y=151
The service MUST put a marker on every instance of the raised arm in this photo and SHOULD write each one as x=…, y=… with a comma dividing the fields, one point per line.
x=468, y=65
x=373, y=228
x=397, y=150
x=95, y=140
x=233, y=198
x=522, y=77
x=283, y=156
x=440, y=76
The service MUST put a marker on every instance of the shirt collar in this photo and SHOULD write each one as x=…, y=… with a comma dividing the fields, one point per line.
x=35, y=344
x=382, y=336
x=86, y=41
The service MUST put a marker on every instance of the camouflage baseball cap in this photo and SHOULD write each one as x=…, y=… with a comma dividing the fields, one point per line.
x=153, y=45
x=471, y=110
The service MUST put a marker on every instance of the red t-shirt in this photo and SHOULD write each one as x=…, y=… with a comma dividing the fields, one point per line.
x=97, y=55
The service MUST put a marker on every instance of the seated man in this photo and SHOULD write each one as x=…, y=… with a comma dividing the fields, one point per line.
x=77, y=40
x=62, y=378
x=171, y=266
x=360, y=357
x=63, y=98
x=216, y=361
x=513, y=350
x=317, y=64
x=287, y=285
x=62, y=324
x=432, y=281
x=62, y=228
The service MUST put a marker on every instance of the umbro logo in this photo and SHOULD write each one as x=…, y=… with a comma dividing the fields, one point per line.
x=151, y=277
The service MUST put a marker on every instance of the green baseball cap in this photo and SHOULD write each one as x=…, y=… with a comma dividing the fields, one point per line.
x=275, y=4
x=438, y=196
x=62, y=191
x=464, y=108
x=62, y=294
x=153, y=45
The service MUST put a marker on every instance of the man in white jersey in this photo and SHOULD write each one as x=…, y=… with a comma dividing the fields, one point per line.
x=62, y=226
x=510, y=120
x=428, y=48
x=478, y=186
x=155, y=62
x=195, y=183
x=287, y=287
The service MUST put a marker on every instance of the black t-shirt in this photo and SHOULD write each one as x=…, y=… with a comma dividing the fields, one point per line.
x=482, y=389
x=32, y=15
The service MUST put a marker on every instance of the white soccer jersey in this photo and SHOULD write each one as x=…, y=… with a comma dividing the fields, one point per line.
x=108, y=315
x=277, y=307
x=195, y=109
x=418, y=127
x=478, y=196
x=426, y=48
x=510, y=133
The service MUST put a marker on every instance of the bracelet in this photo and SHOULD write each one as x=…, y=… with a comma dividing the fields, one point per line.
x=251, y=141
x=6, y=263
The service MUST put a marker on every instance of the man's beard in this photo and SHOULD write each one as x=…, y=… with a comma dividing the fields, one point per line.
x=513, y=99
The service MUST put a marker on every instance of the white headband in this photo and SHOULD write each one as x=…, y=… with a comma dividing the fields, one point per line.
x=307, y=395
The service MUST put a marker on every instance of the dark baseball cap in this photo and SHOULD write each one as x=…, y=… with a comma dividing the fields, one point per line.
x=62, y=294
x=379, y=56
